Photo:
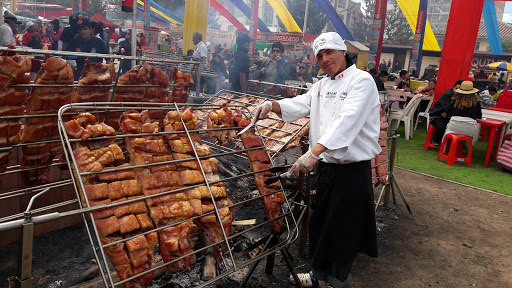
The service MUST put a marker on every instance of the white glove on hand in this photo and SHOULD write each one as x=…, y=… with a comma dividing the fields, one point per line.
x=305, y=163
x=262, y=110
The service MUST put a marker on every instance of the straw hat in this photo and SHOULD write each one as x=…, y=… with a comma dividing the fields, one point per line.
x=466, y=88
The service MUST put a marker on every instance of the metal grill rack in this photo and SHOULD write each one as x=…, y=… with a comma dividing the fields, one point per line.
x=288, y=234
x=13, y=191
x=251, y=101
x=57, y=202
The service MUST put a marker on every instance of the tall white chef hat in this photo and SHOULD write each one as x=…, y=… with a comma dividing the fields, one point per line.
x=329, y=40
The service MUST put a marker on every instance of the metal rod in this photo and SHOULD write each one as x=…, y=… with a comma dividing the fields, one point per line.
x=93, y=55
x=34, y=198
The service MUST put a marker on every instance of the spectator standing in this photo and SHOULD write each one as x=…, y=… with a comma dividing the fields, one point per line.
x=86, y=43
x=55, y=34
x=11, y=20
x=274, y=69
x=31, y=38
x=240, y=76
x=142, y=40
x=125, y=49
x=105, y=37
x=501, y=81
x=201, y=51
x=70, y=32
x=180, y=45
x=383, y=66
x=6, y=35
x=114, y=35
x=304, y=74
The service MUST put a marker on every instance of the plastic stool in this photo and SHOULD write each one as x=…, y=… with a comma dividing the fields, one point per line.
x=453, y=145
x=428, y=141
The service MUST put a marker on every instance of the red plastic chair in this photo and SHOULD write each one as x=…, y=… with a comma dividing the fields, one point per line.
x=428, y=141
x=451, y=149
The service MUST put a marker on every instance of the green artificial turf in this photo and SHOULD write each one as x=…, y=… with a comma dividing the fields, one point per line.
x=410, y=155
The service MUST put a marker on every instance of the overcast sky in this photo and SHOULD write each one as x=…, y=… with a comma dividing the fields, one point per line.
x=507, y=16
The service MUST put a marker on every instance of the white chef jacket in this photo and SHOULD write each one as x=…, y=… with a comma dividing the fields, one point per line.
x=201, y=51
x=344, y=116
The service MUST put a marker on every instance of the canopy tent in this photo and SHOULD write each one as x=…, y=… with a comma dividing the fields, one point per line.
x=43, y=9
x=106, y=23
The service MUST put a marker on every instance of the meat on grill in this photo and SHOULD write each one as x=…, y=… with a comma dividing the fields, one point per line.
x=140, y=77
x=221, y=118
x=179, y=94
x=44, y=100
x=167, y=207
x=180, y=144
x=380, y=161
x=94, y=74
x=118, y=221
x=260, y=160
x=12, y=100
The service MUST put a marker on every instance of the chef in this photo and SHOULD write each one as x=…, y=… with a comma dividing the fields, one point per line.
x=343, y=136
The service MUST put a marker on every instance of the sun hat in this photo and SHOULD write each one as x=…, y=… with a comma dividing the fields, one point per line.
x=329, y=40
x=466, y=88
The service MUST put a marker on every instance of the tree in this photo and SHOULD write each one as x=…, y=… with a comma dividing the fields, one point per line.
x=506, y=45
x=397, y=29
x=316, y=18
x=362, y=27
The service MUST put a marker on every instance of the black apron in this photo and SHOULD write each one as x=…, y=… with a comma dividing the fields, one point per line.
x=342, y=217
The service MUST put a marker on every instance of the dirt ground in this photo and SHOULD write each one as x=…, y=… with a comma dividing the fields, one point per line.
x=457, y=237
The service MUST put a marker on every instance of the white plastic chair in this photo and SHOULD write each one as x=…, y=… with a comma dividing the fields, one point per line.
x=424, y=114
x=407, y=116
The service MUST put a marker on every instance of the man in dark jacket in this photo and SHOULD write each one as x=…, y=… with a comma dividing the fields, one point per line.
x=383, y=77
x=240, y=75
x=438, y=113
x=275, y=69
x=86, y=43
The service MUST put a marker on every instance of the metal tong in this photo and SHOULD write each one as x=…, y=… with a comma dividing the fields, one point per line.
x=249, y=126
x=279, y=176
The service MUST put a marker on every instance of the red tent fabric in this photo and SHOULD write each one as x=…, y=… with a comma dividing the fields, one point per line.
x=459, y=44
x=98, y=17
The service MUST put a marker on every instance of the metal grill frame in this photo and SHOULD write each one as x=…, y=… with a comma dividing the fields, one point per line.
x=286, y=209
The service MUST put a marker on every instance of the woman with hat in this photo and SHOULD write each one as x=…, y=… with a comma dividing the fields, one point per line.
x=55, y=34
x=465, y=109
x=31, y=38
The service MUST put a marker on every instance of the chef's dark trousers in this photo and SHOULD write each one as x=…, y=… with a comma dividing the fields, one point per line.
x=342, y=218
x=440, y=124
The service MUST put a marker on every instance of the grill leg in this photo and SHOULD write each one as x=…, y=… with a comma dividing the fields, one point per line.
x=253, y=267
x=24, y=276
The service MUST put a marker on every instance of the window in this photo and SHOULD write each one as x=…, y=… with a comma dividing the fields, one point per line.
x=231, y=28
x=477, y=46
x=268, y=19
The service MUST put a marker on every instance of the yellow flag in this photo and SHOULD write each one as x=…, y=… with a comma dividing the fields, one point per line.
x=410, y=10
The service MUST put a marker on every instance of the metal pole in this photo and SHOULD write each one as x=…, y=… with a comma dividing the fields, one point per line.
x=305, y=18
x=134, y=32
x=13, y=6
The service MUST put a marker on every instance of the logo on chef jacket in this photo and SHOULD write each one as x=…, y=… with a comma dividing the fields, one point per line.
x=78, y=50
x=331, y=94
x=343, y=95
